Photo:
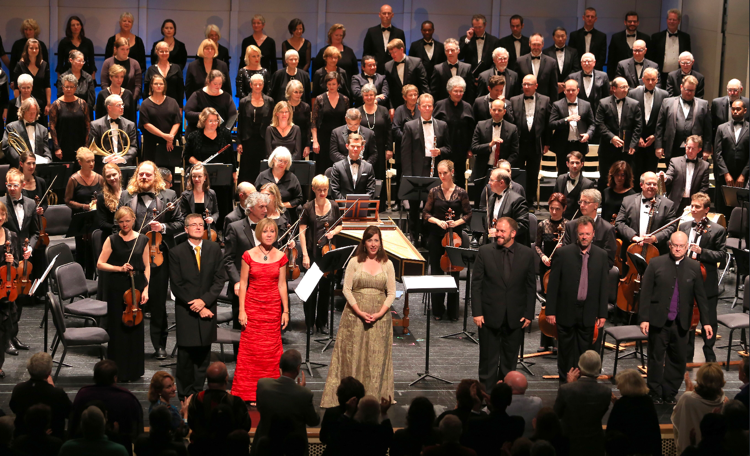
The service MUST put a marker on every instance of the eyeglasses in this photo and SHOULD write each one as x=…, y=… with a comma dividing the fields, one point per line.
x=584, y=202
x=12, y=185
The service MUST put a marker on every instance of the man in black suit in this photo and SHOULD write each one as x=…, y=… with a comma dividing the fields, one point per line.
x=34, y=135
x=573, y=123
x=378, y=37
x=370, y=75
x=542, y=66
x=621, y=43
x=116, y=142
x=732, y=153
x=587, y=39
x=604, y=233
x=593, y=84
x=516, y=44
x=632, y=68
x=244, y=189
x=674, y=78
x=340, y=134
x=151, y=194
x=566, y=58
x=618, y=120
x=512, y=85
x=501, y=202
x=531, y=116
x=633, y=220
x=669, y=287
x=577, y=295
x=428, y=49
x=492, y=141
x=425, y=143
x=482, y=105
x=709, y=248
x=503, y=295
x=450, y=68
x=572, y=183
x=687, y=174
x=476, y=48
x=668, y=45
x=681, y=117
x=650, y=98
x=484, y=434
x=721, y=107
x=197, y=273
x=352, y=175
x=401, y=71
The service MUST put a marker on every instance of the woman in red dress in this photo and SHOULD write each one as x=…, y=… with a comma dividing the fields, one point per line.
x=263, y=290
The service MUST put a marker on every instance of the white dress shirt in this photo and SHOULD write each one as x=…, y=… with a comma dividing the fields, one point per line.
x=517, y=45
x=644, y=218
x=535, y=64
x=498, y=204
x=685, y=107
x=496, y=129
x=197, y=248
x=631, y=39
x=31, y=133
x=428, y=132
x=737, y=131
x=573, y=125
x=588, y=83
x=587, y=39
x=386, y=38
x=689, y=171
x=694, y=238
x=619, y=111
x=429, y=48
x=354, y=167
x=648, y=103
x=560, y=54
x=18, y=209
x=572, y=182
x=400, y=70
x=671, y=54
x=115, y=134
x=530, y=106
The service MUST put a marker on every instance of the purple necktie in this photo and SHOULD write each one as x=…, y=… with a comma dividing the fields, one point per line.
x=674, y=304
x=583, y=284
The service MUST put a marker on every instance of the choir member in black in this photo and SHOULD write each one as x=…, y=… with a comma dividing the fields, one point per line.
x=347, y=60
x=482, y=106
x=299, y=43
x=199, y=69
x=281, y=78
x=125, y=258
x=80, y=195
x=108, y=199
x=33, y=64
x=75, y=40
x=199, y=196
x=213, y=96
x=252, y=67
x=254, y=118
x=328, y=112
x=265, y=43
x=339, y=137
x=86, y=84
x=732, y=152
x=351, y=175
x=278, y=172
x=428, y=49
x=5, y=96
x=160, y=122
x=276, y=209
x=283, y=133
x=214, y=34
x=176, y=48
x=117, y=75
x=457, y=113
x=549, y=235
x=670, y=287
x=604, y=231
x=146, y=191
x=33, y=136
x=138, y=51
x=404, y=113
x=446, y=196
x=8, y=312
x=449, y=69
x=377, y=119
x=29, y=30
x=650, y=98
x=133, y=77
x=315, y=214
x=24, y=87
x=244, y=189
x=619, y=186
x=572, y=183
x=500, y=58
x=402, y=70
x=331, y=55
x=301, y=113
x=577, y=295
x=170, y=72
x=572, y=120
x=369, y=75
x=69, y=122
x=708, y=248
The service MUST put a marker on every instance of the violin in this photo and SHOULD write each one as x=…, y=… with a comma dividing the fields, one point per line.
x=700, y=229
x=292, y=268
x=328, y=244
x=8, y=275
x=631, y=282
x=24, y=269
x=154, y=244
x=43, y=236
x=209, y=231
x=618, y=252
x=132, y=315
x=451, y=239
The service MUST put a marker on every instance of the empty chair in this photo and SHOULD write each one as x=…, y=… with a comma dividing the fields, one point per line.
x=227, y=336
x=71, y=284
x=738, y=320
x=64, y=256
x=59, y=217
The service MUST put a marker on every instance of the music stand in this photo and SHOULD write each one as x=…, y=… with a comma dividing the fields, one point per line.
x=428, y=285
x=82, y=224
x=413, y=188
x=332, y=261
x=63, y=171
x=359, y=207
x=464, y=258
x=219, y=173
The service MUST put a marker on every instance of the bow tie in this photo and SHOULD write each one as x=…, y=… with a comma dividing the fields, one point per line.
x=480, y=38
x=368, y=76
x=572, y=104
x=671, y=35
x=539, y=57
x=587, y=32
x=401, y=62
x=517, y=39
x=350, y=132
x=649, y=91
x=30, y=124
x=429, y=43
x=620, y=100
x=385, y=29
x=499, y=73
x=639, y=63
x=693, y=161
x=497, y=124
x=557, y=49
x=689, y=103
x=455, y=65
x=646, y=200
x=631, y=36
x=149, y=194
x=738, y=122
x=587, y=75
x=357, y=162
x=252, y=226
x=528, y=98
x=426, y=122
x=18, y=201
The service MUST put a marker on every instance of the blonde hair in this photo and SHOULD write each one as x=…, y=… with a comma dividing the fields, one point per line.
x=128, y=15
x=13, y=173
x=320, y=181
x=291, y=87
x=204, y=115
x=4, y=210
x=30, y=24
x=111, y=199
x=335, y=27
x=116, y=69
x=262, y=226
x=161, y=44
x=206, y=43
x=120, y=42
x=395, y=44
x=709, y=381
x=251, y=48
x=630, y=383
x=279, y=106
x=206, y=183
x=331, y=52
x=123, y=211
x=82, y=153
x=157, y=385
x=273, y=189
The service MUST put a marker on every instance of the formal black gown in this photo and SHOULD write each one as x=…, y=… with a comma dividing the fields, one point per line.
x=611, y=202
x=86, y=89
x=348, y=61
x=325, y=118
x=126, y=344
x=41, y=84
x=175, y=83
x=244, y=88
x=84, y=194
x=267, y=52
x=251, y=129
x=16, y=51
x=304, y=51
x=319, y=86
x=200, y=100
x=380, y=124
x=302, y=117
x=201, y=147
x=289, y=188
x=137, y=51
x=162, y=116
x=280, y=80
x=292, y=141
x=178, y=55
x=63, y=55
x=461, y=123
x=71, y=127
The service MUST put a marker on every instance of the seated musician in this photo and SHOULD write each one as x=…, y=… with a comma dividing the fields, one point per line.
x=33, y=135
x=549, y=234
x=8, y=312
x=604, y=232
x=503, y=202
x=115, y=143
x=353, y=175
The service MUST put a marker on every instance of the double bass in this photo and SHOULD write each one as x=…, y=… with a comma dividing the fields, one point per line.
x=631, y=282
x=451, y=239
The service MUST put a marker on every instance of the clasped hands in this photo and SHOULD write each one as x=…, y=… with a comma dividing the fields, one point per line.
x=197, y=305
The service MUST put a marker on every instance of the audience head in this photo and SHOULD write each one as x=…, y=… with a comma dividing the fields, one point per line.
x=631, y=383
x=521, y=447
x=517, y=382
x=450, y=429
x=709, y=381
x=92, y=423
x=590, y=363
x=463, y=393
x=162, y=386
x=501, y=397
x=736, y=415
x=105, y=373
x=349, y=387
x=543, y=448
x=546, y=424
x=160, y=420
x=290, y=362
x=713, y=430
x=39, y=366
x=38, y=419
x=368, y=410
x=7, y=429
x=421, y=415
x=217, y=375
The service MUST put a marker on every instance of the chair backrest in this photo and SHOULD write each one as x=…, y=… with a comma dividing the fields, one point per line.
x=97, y=241
x=3, y=171
x=328, y=173
x=736, y=224
x=71, y=281
x=58, y=218
x=58, y=319
x=64, y=256
x=742, y=260
x=746, y=296
x=533, y=225
x=614, y=278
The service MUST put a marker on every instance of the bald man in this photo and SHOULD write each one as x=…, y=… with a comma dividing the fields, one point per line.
x=522, y=405
x=238, y=213
x=721, y=107
x=632, y=69
x=669, y=287
x=378, y=37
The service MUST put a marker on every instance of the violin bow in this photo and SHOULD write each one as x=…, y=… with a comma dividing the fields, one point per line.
x=203, y=162
x=291, y=228
x=136, y=240
x=335, y=223
x=559, y=241
x=684, y=214
x=283, y=249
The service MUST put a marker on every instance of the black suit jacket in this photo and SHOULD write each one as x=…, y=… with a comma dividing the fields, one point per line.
x=187, y=203
x=720, y=111
x=101, y=125
x=676, y=176
x=561, y=186
x=512, y=82
x=238, y=240
x=620, y=50
x=666, y=124
x=32, y=392
x=648, y=128
x=626, y=69
x=442, y=73
x=414, y=73
x=174, y=221
x=508, y=42
x=599, y=89
x=381, y=85
x=540, y=127
x=657, y=288
x=598, y=46
x=656, y=49
x=713, y=251
x=283, y=400
x=674, y=80
x=189, y=283
x=339, y=135
x=629, y=219
x=609, y=127
x=417, y=49
x=468, y=52
x=604, y=237
x=237, y=214
x=28, y=228
x=571, y=62
x=560, y=126
x=413, y=160
x=41, y=142
x=481, y=109
x=546, y=77
x=562, y=290
x=375, y=47
x=581, y=406
x=342, y=183
x=480, y=147
x=496, y=300
x=731, y=156
x=513, y=206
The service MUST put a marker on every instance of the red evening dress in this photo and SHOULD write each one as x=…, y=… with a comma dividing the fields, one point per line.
x=260, y=341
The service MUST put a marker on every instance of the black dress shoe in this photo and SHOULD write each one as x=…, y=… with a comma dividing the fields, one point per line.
x=11, y=350
x=2, y=373
x=322, y=330
x=670, y=400
x=310, y=331
x=655, y=398
x=160, y=353
x=18, y=344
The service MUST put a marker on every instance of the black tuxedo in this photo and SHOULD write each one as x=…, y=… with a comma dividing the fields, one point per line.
x=468, y=52
x=512, y=82
x=546, y=77
x=609, y=127
x=674, y=80
x=598, y=46
x=342, y=183
x=645, y=159
x=508, y=42
x=502, y=303
x=532, y=141
x=41, y=142
x=238, y=213
x=561, y=186
x=414, y=162
x=629, y=219
x=730, y=156
x=417, y=49
x=576, y=319
x=375, y=46
x=414, y=73
x=102, y=125
x=339, y=135
x=561, y=127
x=619, y=50
x=28, y=228
x=481, y=109
x=442, y=73
x=195, y=334
x=672, y=128
x=513, y=205
x=720, y=111
x=627, y=69
x=656, y=49
x=571, y=62
x=668, y=339
x=359, y=80
x=676, y=176
x=480, y=147
x=604, y=236
x=599, y=88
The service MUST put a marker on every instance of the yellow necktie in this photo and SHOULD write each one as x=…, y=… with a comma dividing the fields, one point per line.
x=198, y=256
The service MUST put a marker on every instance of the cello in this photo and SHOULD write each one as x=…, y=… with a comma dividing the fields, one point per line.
x=451, y=239
x=24, y=273
x=8, y=273
x=700, y=229
x=631, y=282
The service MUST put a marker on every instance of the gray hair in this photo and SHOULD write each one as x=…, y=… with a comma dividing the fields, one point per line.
x=353, y=114
x=368, y=410
x=452, y=41
x=26, y=105
x=254, y=199
x=500, y=50
x=128, y=15
x=257, y=77
x=213, y=28
x=39, y=366
x=367, y=88
x=686, y=54
x=589, y=363
x=425, y=96
x=67, y=78
x=593, y=194
x=112, y=99
x=291, y=53
x=291, y=85
x=675, y=11
x=27, y=79
x=455, y=81
x=92, y=423
x=278, y=154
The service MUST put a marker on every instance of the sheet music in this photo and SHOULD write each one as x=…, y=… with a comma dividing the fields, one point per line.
x=44, y=276
x=429, y=283
x=309, y=282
